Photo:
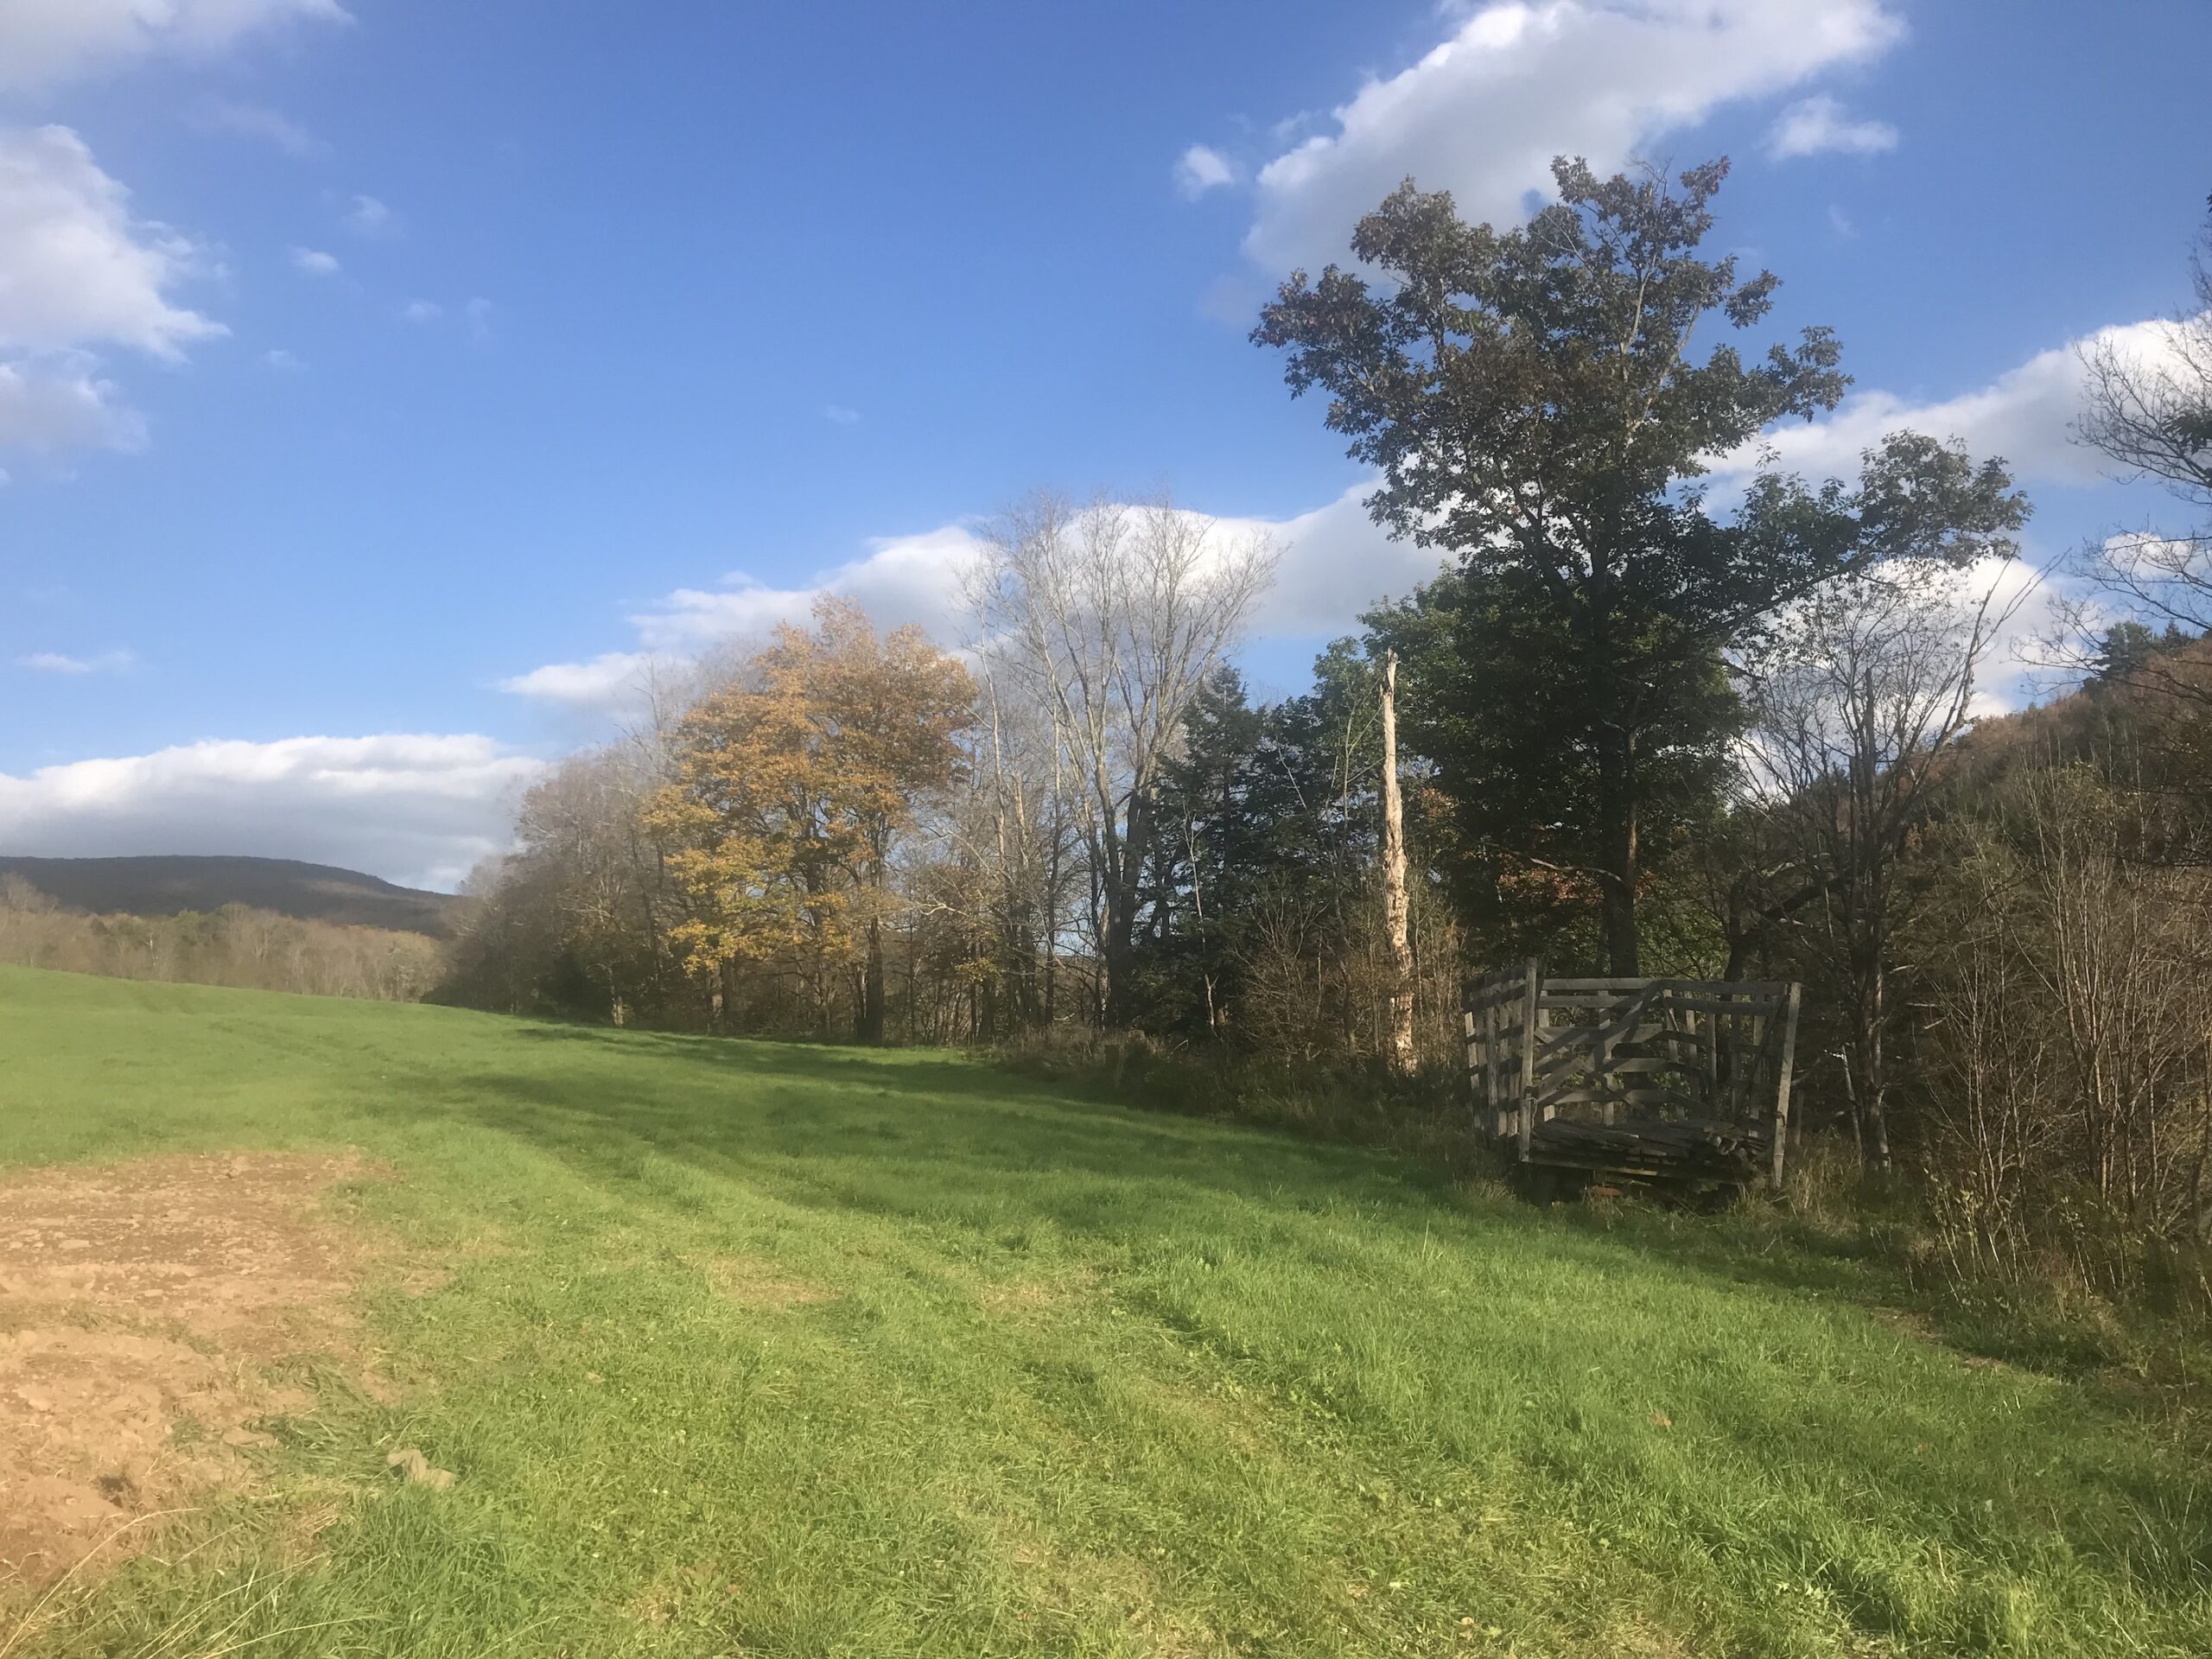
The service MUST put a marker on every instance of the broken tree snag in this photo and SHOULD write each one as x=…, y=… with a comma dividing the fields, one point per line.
x=1395, y=915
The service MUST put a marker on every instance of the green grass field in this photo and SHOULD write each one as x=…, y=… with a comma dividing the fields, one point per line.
x=1071, y=1379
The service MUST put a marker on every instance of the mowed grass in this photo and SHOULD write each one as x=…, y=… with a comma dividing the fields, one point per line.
x=765, y=1349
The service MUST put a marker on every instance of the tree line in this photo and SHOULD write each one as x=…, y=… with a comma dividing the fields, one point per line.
x=237, y=945
x=1668, y=707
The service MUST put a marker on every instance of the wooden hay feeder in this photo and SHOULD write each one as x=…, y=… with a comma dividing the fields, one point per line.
x=1675, y=1080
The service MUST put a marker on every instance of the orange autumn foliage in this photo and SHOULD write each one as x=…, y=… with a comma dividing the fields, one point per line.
x=791, y=788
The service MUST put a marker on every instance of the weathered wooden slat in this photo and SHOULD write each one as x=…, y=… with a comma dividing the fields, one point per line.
x=1782, y=1077
x=1531, y=1022
x=1721, y=1005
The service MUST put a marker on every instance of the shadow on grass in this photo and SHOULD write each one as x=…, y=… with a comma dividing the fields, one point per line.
x=990, y=1161
x=925, y=1133
x=900, y=1131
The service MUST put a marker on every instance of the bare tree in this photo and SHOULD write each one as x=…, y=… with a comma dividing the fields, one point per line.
x=1109, y=618
x=1016, y=830
x=1854, y=704
x=1988, y=1061
x=2147, y=408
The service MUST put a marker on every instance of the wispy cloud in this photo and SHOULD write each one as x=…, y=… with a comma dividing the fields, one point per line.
x=422, y=311
x=1202, y=168
x=365, y=216
x=1818, y=126
x=313, y=262
x=841, y=416
x=258, y=121
x=44, y=42
x=55, y=662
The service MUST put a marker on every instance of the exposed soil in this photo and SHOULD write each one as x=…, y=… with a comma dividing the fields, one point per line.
x=142, y=1308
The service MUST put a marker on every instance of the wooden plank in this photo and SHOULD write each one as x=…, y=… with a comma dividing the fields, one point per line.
x=1725, y=1006
x=1492, y=1064
x=1531, y=1026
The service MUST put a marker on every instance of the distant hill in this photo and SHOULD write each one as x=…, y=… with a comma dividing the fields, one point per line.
x=164, y=886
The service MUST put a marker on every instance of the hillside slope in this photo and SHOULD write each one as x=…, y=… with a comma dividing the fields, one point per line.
x=165, y=886
x=735, y=1347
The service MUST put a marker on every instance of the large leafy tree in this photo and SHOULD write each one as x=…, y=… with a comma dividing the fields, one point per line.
x=1534, y=404
x=791, y=788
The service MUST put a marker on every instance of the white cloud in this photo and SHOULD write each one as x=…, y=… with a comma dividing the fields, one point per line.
x=78, y=272
x=55, y=662
x=1815, y=126
x=1334, y=563
x=480, y=312
x=840, y=415
x=260, y=122
x=2026, y=609
x=53, y=401
x=46, y=42
x=422, y=311
x=612, y=680
x=1521, y=81
x=368, y=217
x=901, y=579
x=2026, y=415
x=313, y=262
x=75, y=269
x=287, y=362
x=415, y=809
x=1202, y=168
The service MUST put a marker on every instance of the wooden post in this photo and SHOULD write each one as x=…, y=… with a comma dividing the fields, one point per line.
x=1395, y=911
x=1784, y=1068
x=1473, y=1050
x=1529, y=1011
x=1487, y=1022
x=1712, y=1104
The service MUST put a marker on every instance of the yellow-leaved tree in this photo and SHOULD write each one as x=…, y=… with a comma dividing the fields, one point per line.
x=790, y=790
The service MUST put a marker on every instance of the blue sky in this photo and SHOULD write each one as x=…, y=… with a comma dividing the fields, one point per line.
x=382, y=384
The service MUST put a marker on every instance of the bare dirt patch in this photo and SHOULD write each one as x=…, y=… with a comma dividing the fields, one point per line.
x=141, y=1309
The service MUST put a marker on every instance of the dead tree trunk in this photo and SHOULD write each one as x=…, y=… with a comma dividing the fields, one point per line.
x=1394, y=912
